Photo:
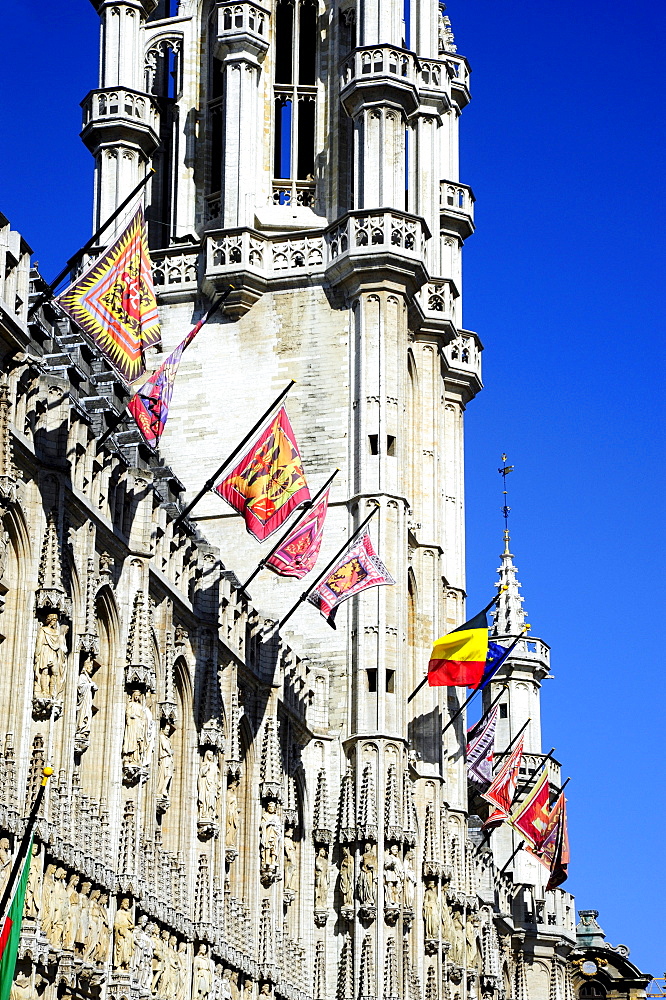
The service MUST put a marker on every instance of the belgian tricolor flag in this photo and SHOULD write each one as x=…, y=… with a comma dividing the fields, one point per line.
x=459, y=658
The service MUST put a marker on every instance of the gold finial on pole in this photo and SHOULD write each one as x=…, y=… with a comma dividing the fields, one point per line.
x=46, y=774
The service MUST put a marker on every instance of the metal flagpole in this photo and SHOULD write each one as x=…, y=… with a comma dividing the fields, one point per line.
x=308, y=505
x=116, y=422
x=522, y=842
x=48, y=291
x=321, y=576
x=25, y=841
x=209, y=482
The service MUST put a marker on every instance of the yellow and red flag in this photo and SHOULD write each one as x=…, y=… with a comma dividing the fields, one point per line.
x=114, y=301
x=501, y=792
x=547, y=849
x=268, y=482
x=531, y=818
x=458, y=658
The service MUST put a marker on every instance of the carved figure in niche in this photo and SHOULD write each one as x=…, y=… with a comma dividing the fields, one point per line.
x=409, y=885
x=225, y=985
x=123, y=936
x=48, y=889
x=162, y=985
x=33, y=890
x=92, y=931
x=431, y=912
x=346, y=877
x=248, y=989
x=366, y=886
x=290, y=871
x=183, y=982
x=139, y=734
x=265, y=990
x=152, y=953
x=457, y=953
x=83, y=923
x=102, y=949
x=447, y=923
x=235, y=989
x=145, y=973
x=233, y=814
x=60, y=908
x=4, y=543
x=72, y=919
x=85, y=693
x=321, y=879
x=269, y=836
x=217, y=980
x=471, y=942
x=158, y=958
x=137, y=953
x=208, y=787
x=202, y=974
x=165, y=764
x=5, y=862
x=50, y=658
x=21, y=988
x=394, y=876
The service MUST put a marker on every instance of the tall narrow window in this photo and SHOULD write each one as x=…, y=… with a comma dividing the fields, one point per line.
x=295, y=94
x=163, y=81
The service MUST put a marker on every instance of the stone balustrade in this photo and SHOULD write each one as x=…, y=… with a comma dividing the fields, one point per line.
x=464, y=353
x=379, y=60
x=432, y=74
x=437, y=298
x=289, y=192
x=119, y=102
x=459, y=73
x=176, y=269
x=457, y=201
x=241, y=18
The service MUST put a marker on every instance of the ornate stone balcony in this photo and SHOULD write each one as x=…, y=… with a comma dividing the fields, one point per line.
x=242, y=27
x=118, y=114
x=176, y=272
x=456, y=205
x=288, y=192
x=370, y=73
x=463, y=357
x=459, y=73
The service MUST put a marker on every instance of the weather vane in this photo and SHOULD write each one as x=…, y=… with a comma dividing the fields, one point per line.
x=504, y=472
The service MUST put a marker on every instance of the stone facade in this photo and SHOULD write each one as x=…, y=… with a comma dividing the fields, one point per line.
x=235, y=812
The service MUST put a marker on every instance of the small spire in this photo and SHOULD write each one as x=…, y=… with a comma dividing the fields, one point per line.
x=509, y=615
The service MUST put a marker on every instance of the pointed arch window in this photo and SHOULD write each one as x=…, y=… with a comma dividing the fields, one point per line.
x=163, y=79
x=295, y=102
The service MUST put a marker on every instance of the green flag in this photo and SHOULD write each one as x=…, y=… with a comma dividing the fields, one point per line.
x=11, y=931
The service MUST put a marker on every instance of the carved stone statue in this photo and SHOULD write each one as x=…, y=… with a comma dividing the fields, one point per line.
x=85, y=693
x=50, y=658
x=409, y=885
x=139, y=735
x=60, y=908
x=123, y=936
x=165, y=764
x=346, y=878
x=235, y=988
x=248, y=989
x=321, y=879
x=138, y=952
x=158, y=958
x=202, y=975
x=208, y=787
x=270, y=836
x=366, y=886
x=225, y=985
x=48, y=889
x=5, y=862
x=104, y=941
x=447, y=923
x=33, y=891
x=71, y=922
x=290, y=869
x=394, y=876
x=182, y=987
x=92, y=931
x=457, y=953
x=233, y=814
x=471, y=943
x=83, y=923
x=21, y=988
x=431, y=912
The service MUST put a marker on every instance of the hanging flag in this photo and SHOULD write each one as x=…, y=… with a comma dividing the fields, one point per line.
x=458, y=658
x=10, y=931
x=545, y=852
x=559, y=869
x=358, y=568
x=501, y=792
x=531, y=817
x=150, y=404
x=480, y=750
x=114, y=301
x=269, y=482
x=299, y=552
x=496, y=656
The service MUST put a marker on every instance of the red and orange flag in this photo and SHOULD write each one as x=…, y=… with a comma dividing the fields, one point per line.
x=268, y=483
x=501, y=792
x=531, y=817
x=114, y=301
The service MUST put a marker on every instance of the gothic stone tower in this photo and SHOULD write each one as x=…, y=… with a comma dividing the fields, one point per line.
x=307, y=153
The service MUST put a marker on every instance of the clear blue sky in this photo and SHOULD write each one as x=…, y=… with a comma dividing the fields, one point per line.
x=563, y=145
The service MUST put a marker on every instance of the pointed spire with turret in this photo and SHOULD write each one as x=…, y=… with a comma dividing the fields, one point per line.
x=509, y=615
